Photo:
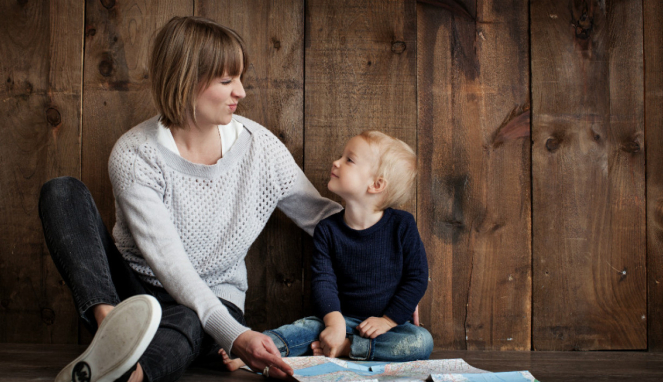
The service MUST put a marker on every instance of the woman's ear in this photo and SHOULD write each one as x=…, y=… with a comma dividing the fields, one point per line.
x=379, y=185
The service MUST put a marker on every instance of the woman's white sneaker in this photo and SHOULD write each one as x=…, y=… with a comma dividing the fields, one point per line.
x=119, y=342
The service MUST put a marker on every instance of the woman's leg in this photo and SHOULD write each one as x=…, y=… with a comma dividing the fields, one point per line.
x=86, y=257
x=82, y=249
x=176, y=344
x=402, y=343
x=180, y=341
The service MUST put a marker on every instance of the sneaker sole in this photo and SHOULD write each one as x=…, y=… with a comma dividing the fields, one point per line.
x=119, y=342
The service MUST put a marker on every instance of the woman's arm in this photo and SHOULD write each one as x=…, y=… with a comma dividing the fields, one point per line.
x=158, y=241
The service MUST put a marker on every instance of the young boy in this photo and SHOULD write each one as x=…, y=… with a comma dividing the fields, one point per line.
x=369, y=269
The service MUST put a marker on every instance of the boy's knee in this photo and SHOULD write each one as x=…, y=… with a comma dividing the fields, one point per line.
x=417, y=345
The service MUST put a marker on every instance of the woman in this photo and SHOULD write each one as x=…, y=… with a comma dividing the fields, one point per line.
x=193, y=187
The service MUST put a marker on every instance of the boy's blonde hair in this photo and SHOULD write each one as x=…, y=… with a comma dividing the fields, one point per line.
x=187, y=54
x=397, y=165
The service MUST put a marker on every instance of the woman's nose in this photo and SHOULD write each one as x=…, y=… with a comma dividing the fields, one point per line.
x=238, y=91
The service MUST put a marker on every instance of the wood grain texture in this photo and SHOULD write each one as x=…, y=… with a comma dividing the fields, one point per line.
x=41, y=72
x=360, y=75
x=474, y=183
x=116, y=82
x=274, y=83
x=588, y=176
x=653, y=56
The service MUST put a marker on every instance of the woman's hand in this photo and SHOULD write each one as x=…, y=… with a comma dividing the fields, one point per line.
x=258, y=351
x=374, y=326
x=332, y=339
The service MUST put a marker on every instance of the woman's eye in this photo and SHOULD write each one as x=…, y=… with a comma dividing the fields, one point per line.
x=226, y=82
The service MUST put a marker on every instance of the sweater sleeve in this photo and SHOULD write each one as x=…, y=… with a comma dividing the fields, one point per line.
x=414, y=280
x=324, y=288
x=300, y=201
x=139, y=186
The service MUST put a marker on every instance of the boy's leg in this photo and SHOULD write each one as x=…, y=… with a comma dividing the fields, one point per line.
x=295, y=339
x=402, y=343
x=82, y=249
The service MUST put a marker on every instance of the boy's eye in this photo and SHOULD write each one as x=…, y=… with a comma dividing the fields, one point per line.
x=350, y=160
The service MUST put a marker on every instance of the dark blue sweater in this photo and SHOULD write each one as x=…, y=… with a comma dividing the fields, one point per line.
x=378, y=271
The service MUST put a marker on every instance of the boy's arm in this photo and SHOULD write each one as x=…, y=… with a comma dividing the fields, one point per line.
x=332, y=338
x=324, y=287
x=324, y=290
x=414, y=280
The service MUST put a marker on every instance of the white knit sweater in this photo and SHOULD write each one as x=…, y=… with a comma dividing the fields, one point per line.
x=188, y=227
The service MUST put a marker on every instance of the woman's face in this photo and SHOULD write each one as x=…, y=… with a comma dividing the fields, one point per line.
x=216, y=104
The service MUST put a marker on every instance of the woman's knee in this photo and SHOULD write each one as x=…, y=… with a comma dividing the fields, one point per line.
x=59, y=190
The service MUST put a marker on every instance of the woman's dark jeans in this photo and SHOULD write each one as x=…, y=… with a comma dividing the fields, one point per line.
x=93, y=268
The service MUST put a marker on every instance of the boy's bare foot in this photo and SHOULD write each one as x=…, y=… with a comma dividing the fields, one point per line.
x=231, y=364
x=343, y=351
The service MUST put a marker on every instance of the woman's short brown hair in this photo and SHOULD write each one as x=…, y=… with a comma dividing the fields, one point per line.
x=187, y=54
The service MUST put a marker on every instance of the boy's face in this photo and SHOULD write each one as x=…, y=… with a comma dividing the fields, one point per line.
x=354, y=172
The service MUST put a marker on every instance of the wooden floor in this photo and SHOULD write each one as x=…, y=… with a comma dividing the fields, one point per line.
x=42, y=363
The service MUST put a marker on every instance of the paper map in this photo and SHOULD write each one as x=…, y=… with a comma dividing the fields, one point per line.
x=323, y=369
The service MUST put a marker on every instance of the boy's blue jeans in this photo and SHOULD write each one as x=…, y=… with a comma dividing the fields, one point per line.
x=402, y=343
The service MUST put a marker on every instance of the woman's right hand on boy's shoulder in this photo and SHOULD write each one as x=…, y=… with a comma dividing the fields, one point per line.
x=258, y=351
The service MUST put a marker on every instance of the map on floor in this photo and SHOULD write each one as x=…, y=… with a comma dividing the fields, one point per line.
x=323, y=369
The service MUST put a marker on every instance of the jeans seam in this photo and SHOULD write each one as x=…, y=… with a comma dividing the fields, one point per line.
x=94, y=228
x=287, y=348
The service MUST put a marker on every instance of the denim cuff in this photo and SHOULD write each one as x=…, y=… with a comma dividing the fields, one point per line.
x=362, y=349
x=279, y=342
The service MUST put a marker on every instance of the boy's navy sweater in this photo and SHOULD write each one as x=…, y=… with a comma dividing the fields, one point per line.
x=381, y=270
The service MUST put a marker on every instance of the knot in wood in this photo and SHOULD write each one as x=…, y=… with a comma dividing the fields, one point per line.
x=53, y=116
x=276, y=43
x=584, y=26
x=108, y=4
x=48, y=316
x=631, y=147
x=106, y=67
x=552, y=144
x=90, y=31
x=398, y=47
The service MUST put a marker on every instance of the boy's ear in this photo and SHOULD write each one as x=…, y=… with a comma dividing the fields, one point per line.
x=379, y=185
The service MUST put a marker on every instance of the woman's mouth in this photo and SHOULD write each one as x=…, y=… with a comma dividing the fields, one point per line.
x=233, y=107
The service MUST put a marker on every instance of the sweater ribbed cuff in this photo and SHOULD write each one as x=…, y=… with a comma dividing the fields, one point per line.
x=224, y=329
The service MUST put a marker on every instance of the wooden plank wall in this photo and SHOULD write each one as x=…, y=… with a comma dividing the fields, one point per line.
x=474, y=191
x=40, y=103
x=544, y=241
x=588, y=167
x=653, y=52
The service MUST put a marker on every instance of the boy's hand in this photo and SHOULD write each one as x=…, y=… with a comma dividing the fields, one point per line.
x=374, y=326
x=331, y=340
